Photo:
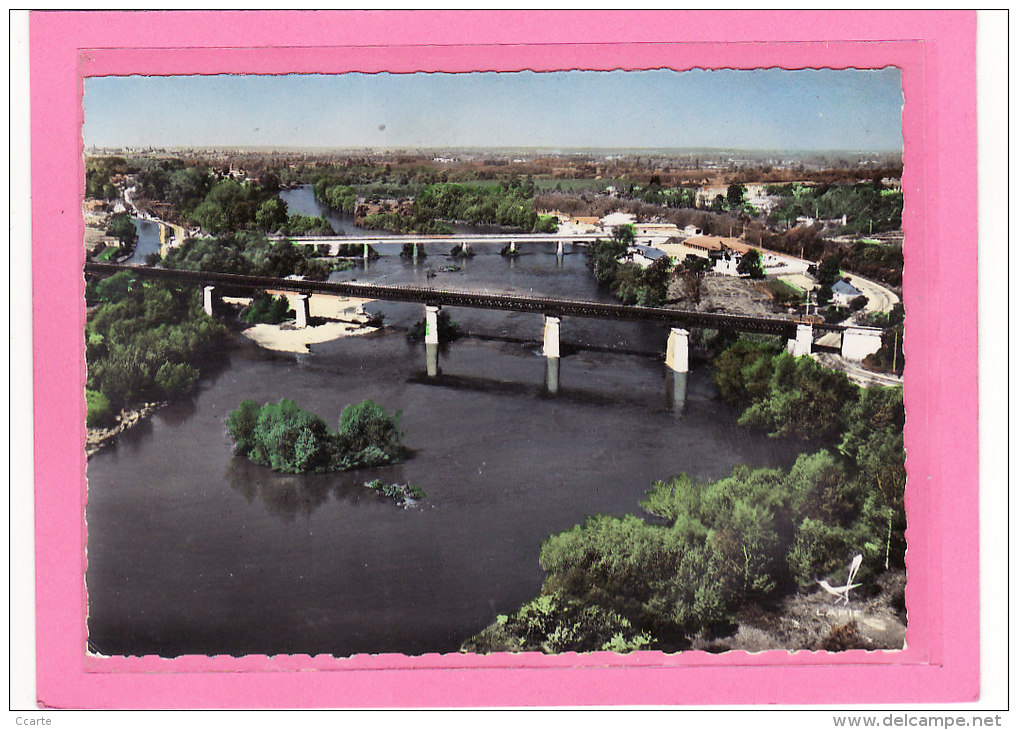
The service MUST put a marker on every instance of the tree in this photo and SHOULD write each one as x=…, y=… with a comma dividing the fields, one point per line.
x=751, y=265
x=805, y=400
x=175, y=378
x=743, y=371
x=624, y=234
x=271, y=215
x=736, y=195
x=366, y=424
x=121, y=227
x=694, y=270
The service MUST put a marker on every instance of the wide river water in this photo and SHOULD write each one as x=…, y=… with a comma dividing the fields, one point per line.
x=192, y=550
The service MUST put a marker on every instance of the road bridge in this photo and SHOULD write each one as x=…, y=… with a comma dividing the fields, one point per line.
x=465, y=241
x=857, y=342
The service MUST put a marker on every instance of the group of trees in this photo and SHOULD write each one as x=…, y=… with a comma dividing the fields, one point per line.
x=267, y=309
x=246, y=253
x=508, y=204
x=630, y=282
x=226, y=205
x=678, y=197
x=121, y=226
x=868, y=207
x=335, y=195
x=288, y=439
x=799, y=398
x=144, y=341
x=98, y=171
x=625, y=583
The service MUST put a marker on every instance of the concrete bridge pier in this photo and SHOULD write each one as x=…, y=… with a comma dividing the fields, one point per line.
x=431, y=338
x=431, y=324
x=415, y=250
x=803, y=342
x=677, y=362
x=366, y=250
x=302, y=306
x=677, y=351
x=858, y=342
x=209, y=299
x=552, y=325
x=560, y=249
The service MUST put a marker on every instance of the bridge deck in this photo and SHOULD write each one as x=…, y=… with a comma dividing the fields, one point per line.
x=784, y=326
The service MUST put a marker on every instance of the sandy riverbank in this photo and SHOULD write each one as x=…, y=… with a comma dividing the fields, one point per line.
x=332, y=317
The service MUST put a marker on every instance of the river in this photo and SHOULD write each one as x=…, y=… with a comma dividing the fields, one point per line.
x=148, y=240
x=192, y=550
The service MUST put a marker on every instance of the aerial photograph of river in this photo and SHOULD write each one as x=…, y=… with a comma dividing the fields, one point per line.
x=601, y=391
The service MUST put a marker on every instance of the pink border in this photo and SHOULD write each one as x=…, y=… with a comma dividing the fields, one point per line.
x=936, y=51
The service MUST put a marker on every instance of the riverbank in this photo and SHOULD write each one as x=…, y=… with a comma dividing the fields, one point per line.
x=98, y=438
x=331, y=318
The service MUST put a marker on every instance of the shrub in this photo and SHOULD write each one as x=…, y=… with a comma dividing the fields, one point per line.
x=99, y=413
x=743, y=371
x=175, y=378
x=268, y=309
x=448, y=329
x=805, y=400
x=819, y=549
x=366, y=424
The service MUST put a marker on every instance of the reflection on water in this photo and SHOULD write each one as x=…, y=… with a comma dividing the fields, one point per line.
x=284, y=495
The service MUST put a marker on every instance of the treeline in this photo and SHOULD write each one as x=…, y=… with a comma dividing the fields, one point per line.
x=869, y=207
x=98, y=171
x=144, y=341
x=622, y=584
x=630, y=282
x=288, y=439
x=246, y=253
x=508, y=204
x=335, y=195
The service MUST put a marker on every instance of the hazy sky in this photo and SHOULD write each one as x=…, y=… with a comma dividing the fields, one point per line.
x=758, y=109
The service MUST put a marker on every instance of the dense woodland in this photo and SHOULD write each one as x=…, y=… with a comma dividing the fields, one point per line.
x=144, y=341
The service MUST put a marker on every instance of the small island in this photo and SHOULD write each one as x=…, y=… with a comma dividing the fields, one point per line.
x=288, y=439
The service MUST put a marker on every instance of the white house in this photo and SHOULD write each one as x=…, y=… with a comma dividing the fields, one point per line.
x=644, y=255
x=844, y=293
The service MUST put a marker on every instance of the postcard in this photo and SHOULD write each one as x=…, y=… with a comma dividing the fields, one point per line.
x=379, y=355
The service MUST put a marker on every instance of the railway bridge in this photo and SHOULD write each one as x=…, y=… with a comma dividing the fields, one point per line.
x=856, y=342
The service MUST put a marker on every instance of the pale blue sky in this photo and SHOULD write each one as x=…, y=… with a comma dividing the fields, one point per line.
x=758, y=109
